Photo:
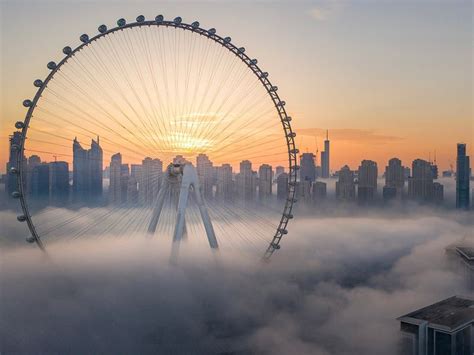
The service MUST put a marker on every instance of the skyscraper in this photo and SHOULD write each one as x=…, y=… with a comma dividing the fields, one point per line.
x=115, y=186
x=265, y=181
x=394, y=179
x=282, y=186
x=87, y=170
x=205, y=174
x=420, y=184
x=245, y=181
x=325, y=158
x=319, y=192
x=150, y=180
x=40, y=182
x=367, y=184
x=345, y=186
x=225, y=185
x=33, y=161
x=462, y=177
x=307, y=167
x=59, y=182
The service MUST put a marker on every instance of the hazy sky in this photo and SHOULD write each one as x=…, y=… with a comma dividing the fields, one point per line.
x=386, y=78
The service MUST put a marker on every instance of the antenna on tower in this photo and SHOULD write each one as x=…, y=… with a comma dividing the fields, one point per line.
x=435, y=157
x=327, y=134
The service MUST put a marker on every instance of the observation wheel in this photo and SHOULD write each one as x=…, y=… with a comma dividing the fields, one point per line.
x=157, y=128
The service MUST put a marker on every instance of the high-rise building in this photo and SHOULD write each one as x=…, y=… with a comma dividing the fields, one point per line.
x=438, y=193
x=319, y=192
x=325, y=159
x=59, y=182
x=462, y=177
x=345, y=186
x=265, y=181
x=225, y=184
x=124, y=178
x=132, y=190
x=282, y=186
x=303, y=190
x=135, y=171
x=150, y=180
x=40, y=182
x=115, y=186
x=33, y=161
x=307, y=167
x=205, y=174
x=394, y=179
x=278, y=170
x=421, y=186
x=246, y=181
x=12, y=179
x=367, y=181
x=87, y=171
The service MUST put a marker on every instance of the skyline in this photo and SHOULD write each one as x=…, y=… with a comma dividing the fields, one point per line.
x=378, y=139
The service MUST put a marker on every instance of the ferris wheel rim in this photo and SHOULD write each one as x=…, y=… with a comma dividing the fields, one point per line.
x=195, y=28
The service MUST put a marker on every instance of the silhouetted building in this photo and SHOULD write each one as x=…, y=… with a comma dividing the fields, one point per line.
x=265, y=181
x=420, y=184
x=394, y=179
x=325, y=168
x=59, y=182
x=246, y=181
x=367, y=184
x=87, y=171
x=434, y=170
x=303, y=190
x=462, y=177
x=225, y=184
x=150, y=180
x=319, y=192
x=205, y=174
x=278, y=170
x=345, y=186
x=282, y=186
x=438, y=193
x=445, y=327
x=124, y=178
x=115, y=187
x=33, y=161
x=40, y=182
x=307, y=167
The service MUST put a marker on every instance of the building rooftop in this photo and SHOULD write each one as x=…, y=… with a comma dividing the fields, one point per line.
x=448, y=315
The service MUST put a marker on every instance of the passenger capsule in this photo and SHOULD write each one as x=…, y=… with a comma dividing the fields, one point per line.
x=159, y=18
x=38, y=83
x=140, y=18
x=283, y=231
x=281, y=103
x=30, y=239
x=19, y=125
x=276, y=246
x=289, y=216
x=84, y=38
x=178, y=20
x=242, y=50
x=102, y=28
x=227, y=40
x=121, y=22
x=21, y=218
x=264, y=75
x=16, y=194
x=195, y=24
x=254, y=61
x=67, y=50
x=292, y=135
x=212, y=31
x=287, y=119
x=27, y=103
x=274, y=88
x=294, y=151
x=13, y=170
x=51, y=65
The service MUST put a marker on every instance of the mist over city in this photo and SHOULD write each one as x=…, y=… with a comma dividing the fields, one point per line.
x=236, y=178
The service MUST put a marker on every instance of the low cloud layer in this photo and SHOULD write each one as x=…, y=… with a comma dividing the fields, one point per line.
x=335, y=287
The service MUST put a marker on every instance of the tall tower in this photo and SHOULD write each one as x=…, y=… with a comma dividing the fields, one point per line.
x=149, y=180
x=394, y=179
x=367, y=187
x=325, y=158
x=205, y=173
x=308, y=167
x=265, y=181
x=115, y=187
x=345, y=186
x=462, y=178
